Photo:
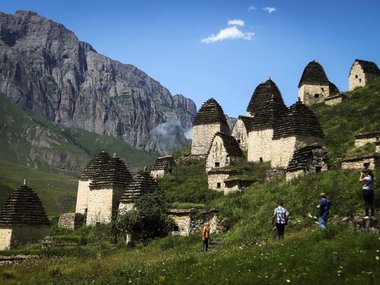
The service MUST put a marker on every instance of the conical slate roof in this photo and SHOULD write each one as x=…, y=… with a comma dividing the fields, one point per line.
x=141, y=185
x=313, y=74
x=162, y=162
x=108, y=171
x=231, y=145
x=23, y=208
x=298, y=120
x=304, y=157
x=210, y=113
x=247, y=121
x=94, y=165
x=266, y=105
x=368, y=66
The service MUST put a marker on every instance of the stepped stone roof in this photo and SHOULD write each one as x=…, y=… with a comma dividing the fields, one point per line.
x=247, y=121
x=266, y=105
x=361, y=157
x=107, y=171
x=162, y=162
x=367, y=66
x=230, y=143
x=224, y=171
x=210, y=113
x=303, y=158
x=23, y=208
x=298, y=120
x=313, y=74
x=367, y=135
x=141, y=185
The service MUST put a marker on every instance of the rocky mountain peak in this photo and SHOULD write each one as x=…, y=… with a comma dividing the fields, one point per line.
x=46, y=69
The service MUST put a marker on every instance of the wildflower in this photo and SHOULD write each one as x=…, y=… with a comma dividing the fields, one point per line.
x=287, y=280
x=377, y=257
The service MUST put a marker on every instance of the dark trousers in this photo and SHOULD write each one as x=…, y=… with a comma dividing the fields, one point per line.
x=280, y=230
x=205, y=244
x=368, y=197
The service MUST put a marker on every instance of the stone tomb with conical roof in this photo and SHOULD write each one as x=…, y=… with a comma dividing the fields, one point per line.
x=266, y=108
x=361, y=73
x=224, y=151
x=162, y=166
x=141, y=185
x=22, y=219
x=210, y=119
x=298, y=128
x=241, y=129
x=314, y=86
x=107, y=178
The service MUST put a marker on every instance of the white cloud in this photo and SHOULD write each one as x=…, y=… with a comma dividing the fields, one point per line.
x=252, y=8
x=230, y=33
x=270, y=10
x=236, y=22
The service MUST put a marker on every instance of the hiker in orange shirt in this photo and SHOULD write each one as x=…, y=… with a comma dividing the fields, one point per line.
x=205, y=236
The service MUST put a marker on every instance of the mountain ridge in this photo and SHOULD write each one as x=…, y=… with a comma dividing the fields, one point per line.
x=45, y=68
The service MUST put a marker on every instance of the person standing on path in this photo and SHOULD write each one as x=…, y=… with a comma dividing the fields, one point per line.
x=367, y=178
x=323, y=206
x=280, y=216
x=205, y=236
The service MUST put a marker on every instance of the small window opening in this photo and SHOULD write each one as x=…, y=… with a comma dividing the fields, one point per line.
x=218, y=185
x=356, y=76
x=323, y=89
x=170, y=170
x=176, y=228
x=366, y=165
x=318, y=169
x=360, y=80
x=238, y=141
x=261, y=159
x=217, y=164
x=316, y=95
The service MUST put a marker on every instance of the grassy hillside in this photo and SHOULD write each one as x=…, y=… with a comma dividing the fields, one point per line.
x=249, y=254
x=51, y=156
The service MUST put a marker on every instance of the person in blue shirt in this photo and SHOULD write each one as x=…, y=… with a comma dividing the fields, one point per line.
x=323, y=206
x=367, y=178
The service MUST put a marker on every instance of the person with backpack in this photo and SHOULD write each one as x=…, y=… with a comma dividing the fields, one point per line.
x=367, y=178
x=280, y=216
x=324, y=207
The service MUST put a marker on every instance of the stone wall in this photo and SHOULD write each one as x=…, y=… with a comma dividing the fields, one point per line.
x=16, y=235
x=82, y=196
x=357, y=77
x=260, y=145
x=202, y=137
x=216, y=181
x=311, y=94
x=290, y=175
x=358, y=162
x=157, y=174
x=282, y=151
x=125, y=207
x=218, y=156
x=377, y=148
x=71, y=221
x=183, y=222
x=334, y=100
x=102, y=204
x=363, y=141
x=239, y=132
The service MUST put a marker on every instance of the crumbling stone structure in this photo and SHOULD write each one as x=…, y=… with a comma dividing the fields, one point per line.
x=267, y=108
x=190, y=221
x=223, y=180
x=163, y=165
x=141, y=185
x=335, y=99
x=370, y=161
x=361, y=73
x=241, y=130
x=109, y=180
x=210, y=119
x=71, y=221
x=362, y=139
x=23, y=219
x=224, y=151
x=309, y=159
x=314, y=86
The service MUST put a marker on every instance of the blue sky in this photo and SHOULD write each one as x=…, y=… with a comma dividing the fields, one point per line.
x=223, y=49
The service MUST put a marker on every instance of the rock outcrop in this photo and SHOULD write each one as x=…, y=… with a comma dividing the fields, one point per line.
x=45, y=68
